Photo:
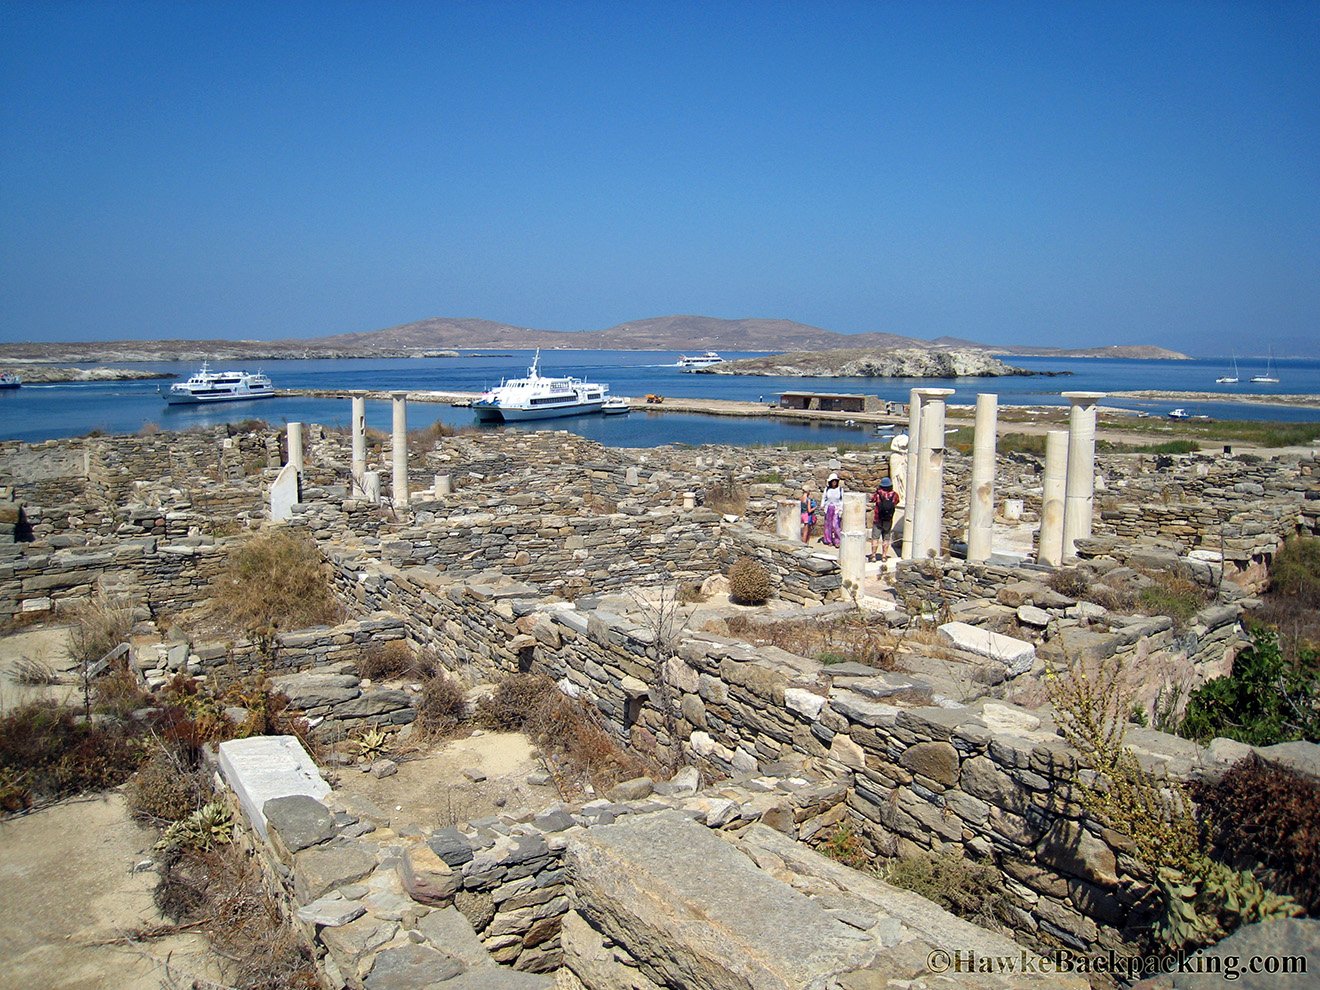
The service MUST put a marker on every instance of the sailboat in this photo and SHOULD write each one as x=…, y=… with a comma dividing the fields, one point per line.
x=1267, y=378
x=1229, y=379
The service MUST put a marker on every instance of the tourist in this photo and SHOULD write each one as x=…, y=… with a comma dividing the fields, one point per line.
x=884, y=502
x=807, y=507
x=833, y=501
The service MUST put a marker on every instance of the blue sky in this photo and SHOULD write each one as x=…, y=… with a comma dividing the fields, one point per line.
x=1058, y=173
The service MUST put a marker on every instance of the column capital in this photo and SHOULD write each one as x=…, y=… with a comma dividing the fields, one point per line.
x=934, y=393
x=1083, y=398
x=399, y=395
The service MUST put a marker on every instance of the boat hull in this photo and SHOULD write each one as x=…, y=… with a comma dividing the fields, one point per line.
x=206, y=400
x=505, y=414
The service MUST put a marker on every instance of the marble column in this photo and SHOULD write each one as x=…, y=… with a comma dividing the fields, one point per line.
x=294, y=431
x=981, y=510
x=788, y=519
x=910, y=495
x=1049, y=549
x=399, y=491
x=371, y=485
x=359, y=442
x=852, y=542
x=444, y=485
x=929, y=525
x=1079, y=486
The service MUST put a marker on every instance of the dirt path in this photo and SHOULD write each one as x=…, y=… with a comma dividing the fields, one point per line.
x=67, y=882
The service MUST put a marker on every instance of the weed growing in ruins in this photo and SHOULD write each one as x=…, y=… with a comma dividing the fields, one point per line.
x=32, y=671
x=273, y=582
x=1070, y=581
x=1176, y=597
x=727, y=496
x=99, y=625
x=749, y=582
x=47, y=752
x=1295, y=571
x=382, y=661
x=844, y=844
x=209, y=826
x=1267, y=698
x=165, y=789
x=1203, y=899
x=221, y=894
x=442, y=706
x=971, y=889
x=577, y=749
x=855, y=638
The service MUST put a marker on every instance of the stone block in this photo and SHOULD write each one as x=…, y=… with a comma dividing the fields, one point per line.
x=261, y=768
x=426, y=877
x=297, y=822
x=411, y=967
x=1016, y=655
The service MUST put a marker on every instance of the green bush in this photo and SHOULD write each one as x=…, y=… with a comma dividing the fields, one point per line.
x=1295, y=572
x=749, y=582
x=1265, y=700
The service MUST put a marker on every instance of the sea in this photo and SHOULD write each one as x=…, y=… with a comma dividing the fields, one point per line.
x=42, y=412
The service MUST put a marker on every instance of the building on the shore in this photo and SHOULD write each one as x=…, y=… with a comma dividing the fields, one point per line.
x=831, y=402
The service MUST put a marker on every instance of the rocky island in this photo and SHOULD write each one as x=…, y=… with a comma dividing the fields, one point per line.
x=853, y=362
x=44, y=375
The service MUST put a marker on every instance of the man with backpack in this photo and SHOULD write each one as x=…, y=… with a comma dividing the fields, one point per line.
x=884, y=501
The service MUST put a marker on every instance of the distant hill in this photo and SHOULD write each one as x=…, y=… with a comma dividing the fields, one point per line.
x=438, y=335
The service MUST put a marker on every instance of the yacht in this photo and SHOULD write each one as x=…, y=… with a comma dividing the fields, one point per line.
x=1267, y=378
x=8, y=380
x=700, y=361
x=1229, y=379
x=538, y=397
x=1179, y=414
x=219, y=386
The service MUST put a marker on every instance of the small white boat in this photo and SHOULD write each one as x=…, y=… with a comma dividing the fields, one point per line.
x=700, y=361
x=219, y=386
x=538, y=397
x=615, y=405
x=1229, y=379
x=1179, y=413
x=1267, y=378
x=8, y=380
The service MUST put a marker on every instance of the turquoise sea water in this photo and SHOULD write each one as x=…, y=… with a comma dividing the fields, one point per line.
x=41, y=412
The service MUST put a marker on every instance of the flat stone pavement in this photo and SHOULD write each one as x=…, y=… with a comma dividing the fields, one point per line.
x=67, y=883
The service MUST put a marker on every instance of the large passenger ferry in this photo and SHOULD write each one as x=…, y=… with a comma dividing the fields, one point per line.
x=219, y=386
x=8, y=380
x=538, y=397
x=700, y=361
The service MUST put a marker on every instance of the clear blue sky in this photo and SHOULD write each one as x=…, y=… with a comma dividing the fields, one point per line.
x=1064, y=173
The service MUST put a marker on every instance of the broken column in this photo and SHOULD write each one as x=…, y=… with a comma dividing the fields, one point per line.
x=981, y=512
x=294, y=431
x=929, y=524
x=910, y=494
x=359, y=425
x=788, y=519
x=399, y=491
x=1049, y=549
x=1080, y=484
x=371, y=485
x=444, y=485
x=852, y=542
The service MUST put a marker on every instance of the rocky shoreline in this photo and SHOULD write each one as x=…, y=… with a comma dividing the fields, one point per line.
x=1287, y=401
x=906, y=362
x=43, y=375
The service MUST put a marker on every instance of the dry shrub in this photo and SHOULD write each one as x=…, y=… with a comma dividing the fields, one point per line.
x=1178, y=598
x=394, y=659
x=220, y=893
x=577, y=748
x=442, y=706
x=272, y=582
x=1274, y=821
x=690, y=593
x=99, y=625
x=749, y=582
x=727, y=496
x=46, y=752
x=165, y=789
x=193, y=713
x=971, y=890
x=1071, y=581
x=118, y=692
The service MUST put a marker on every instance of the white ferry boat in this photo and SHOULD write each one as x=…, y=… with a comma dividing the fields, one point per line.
x=219, y=386
x=8, y=380
x=538, y=397
x=700, y=361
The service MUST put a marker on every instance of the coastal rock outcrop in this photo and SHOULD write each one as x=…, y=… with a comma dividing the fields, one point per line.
x=901, y=362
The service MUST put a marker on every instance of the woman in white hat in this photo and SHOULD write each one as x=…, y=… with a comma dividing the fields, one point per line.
x=833, y=502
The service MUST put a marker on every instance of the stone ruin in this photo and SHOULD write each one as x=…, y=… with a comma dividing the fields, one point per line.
x=502, y=553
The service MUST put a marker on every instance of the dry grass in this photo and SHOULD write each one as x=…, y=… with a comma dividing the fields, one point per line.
x=577, y=749
x=394, y=659
x=220, y=893
x=727, y=496
x=274, y=581
x=32, y=671
x=853, y=639
x=99, y=625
